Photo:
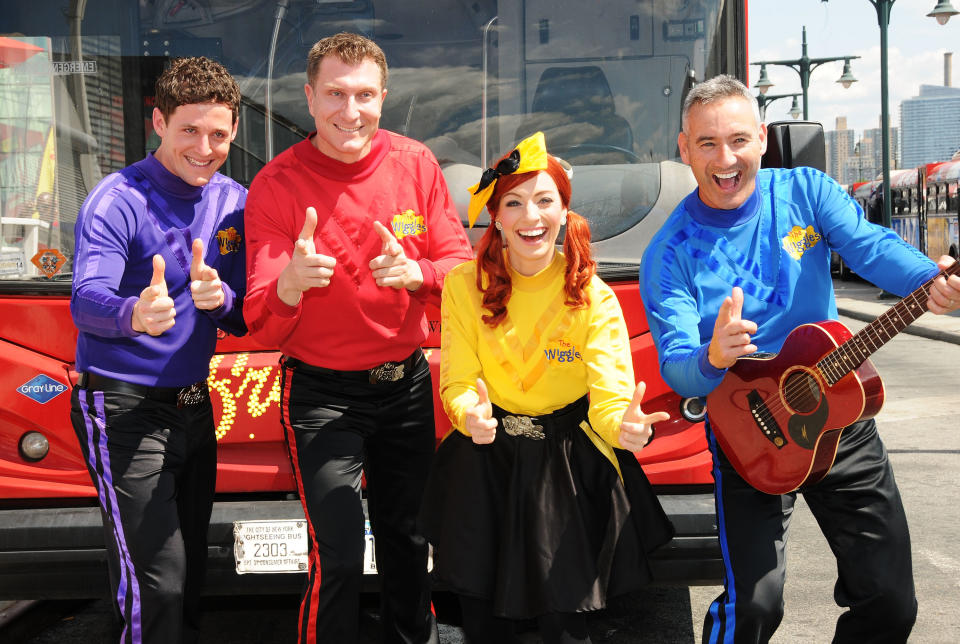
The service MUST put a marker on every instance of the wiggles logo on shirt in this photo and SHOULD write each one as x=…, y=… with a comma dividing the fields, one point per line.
x=408, y=223
x=228, y=240
x=800, y=240
x=562, y=351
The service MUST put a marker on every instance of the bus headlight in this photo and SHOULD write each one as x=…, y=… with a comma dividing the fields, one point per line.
x=34, y=446
x=693, y=409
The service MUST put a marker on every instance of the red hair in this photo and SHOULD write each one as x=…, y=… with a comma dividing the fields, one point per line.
x=493, y=278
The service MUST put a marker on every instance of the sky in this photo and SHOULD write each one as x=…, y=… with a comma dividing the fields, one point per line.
x=915, y=48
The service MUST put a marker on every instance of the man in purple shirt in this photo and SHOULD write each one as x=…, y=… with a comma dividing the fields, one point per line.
x=158, y=270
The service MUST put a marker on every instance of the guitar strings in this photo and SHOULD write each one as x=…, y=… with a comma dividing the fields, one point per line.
x=798, y=389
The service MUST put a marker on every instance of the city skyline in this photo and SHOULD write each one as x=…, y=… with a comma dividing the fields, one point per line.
x=916, y=45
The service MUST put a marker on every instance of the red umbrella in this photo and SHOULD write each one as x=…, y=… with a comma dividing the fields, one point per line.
x=13, y=51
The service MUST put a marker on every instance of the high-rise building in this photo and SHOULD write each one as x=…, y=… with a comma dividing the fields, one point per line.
x=840, y=147
x=871, y=152
x=930, y=125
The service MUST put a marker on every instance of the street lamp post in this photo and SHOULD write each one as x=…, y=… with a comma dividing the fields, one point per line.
x=883, y=18
x=804, y=66
x=763, y=100
x=942, y=13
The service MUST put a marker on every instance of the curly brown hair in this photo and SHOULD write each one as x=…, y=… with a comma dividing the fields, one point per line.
x=196, y=80
x=352, y=49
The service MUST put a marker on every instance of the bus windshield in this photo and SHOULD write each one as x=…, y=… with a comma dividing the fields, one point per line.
x=604, y=81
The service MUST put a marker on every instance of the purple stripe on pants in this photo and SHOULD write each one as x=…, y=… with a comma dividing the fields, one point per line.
x=106, y=491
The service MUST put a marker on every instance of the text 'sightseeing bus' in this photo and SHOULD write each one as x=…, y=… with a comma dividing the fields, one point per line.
x=603, y=80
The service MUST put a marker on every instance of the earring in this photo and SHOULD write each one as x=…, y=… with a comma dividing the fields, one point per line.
x=498, y=225
x=563, y=222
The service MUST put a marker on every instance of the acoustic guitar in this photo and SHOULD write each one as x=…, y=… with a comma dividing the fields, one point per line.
x=778, y=417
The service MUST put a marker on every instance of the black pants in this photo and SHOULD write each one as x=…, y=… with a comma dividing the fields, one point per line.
x=483, y=627
x=155, y=468
x=859, y=510
x=339, y=426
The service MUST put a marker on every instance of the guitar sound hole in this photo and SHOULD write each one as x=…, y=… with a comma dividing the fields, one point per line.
x=802, y=392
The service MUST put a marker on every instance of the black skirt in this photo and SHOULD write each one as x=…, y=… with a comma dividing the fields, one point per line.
x=539, y=520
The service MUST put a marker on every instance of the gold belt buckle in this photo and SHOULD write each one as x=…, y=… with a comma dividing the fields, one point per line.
x=523, y=426
x=192, y=395
x=387, y=372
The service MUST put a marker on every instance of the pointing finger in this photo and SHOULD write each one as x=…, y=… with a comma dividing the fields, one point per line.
x=723, y=315
x=634, y=413
x=309, y=225
x=637, y=397
x=390, y=245
x=736, y=310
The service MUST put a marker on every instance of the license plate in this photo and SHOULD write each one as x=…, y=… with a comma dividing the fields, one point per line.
x=282, y=546
x=270, y=546
x=369, y=552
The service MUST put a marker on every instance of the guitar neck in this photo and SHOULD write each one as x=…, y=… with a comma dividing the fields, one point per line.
x=852, y=353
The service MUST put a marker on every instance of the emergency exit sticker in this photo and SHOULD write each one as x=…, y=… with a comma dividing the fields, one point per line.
x=42, y=389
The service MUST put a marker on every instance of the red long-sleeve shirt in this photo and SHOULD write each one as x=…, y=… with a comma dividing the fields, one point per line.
x=352, y=323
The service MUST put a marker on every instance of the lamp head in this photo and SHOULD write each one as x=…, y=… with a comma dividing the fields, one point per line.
x=763, y=83
x=943, y=11
x=847, y=78
x=795, y=110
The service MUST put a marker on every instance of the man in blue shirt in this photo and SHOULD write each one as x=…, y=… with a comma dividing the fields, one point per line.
x=158, y=269
x=742, y=261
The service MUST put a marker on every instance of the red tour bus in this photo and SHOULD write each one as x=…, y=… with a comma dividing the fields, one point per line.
x=924, y=206
x=469, y=79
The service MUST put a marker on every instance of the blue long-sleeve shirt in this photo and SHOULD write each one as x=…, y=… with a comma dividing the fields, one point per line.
x=776, y=247
x=129, y=216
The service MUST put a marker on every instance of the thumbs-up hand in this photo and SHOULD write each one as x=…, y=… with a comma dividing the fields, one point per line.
x=307, y=268
x=731, y=333
x=479, y=420
x=154, y=313
x=205, y=285
x=636, y=428
x=392, y=267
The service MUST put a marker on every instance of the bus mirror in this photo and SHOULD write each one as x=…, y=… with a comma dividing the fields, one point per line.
x=791, y=144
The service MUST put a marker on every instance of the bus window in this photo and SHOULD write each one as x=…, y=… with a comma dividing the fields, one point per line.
x=466, y=78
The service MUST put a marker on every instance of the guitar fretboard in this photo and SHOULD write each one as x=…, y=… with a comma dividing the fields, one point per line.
x=852, y=353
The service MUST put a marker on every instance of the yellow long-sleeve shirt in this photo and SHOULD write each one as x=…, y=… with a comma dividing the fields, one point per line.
x=543, y=356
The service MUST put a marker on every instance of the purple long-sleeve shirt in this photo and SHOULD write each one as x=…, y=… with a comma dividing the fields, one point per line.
x=129, y=216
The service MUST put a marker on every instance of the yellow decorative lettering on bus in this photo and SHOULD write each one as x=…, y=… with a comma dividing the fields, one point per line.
x=800, y=240
x=408, y=223
x=257, y=403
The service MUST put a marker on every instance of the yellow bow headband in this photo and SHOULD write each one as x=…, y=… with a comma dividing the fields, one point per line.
x=529, y=155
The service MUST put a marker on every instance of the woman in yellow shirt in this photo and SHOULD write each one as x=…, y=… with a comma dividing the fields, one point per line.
x=535, y=506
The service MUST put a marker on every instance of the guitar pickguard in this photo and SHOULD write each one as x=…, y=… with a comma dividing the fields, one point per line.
x=805, y=429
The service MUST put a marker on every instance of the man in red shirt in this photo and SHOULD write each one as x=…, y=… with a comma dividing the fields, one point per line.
x=350, y=233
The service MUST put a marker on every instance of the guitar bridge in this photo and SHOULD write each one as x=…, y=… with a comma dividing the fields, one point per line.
x=765, y=420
